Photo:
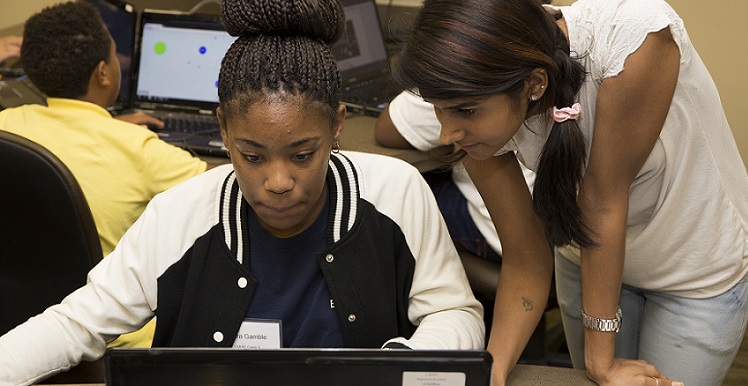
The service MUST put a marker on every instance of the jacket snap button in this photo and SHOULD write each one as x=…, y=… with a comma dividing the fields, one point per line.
x=218, y=336
x=352, y=318
x=329, y=258
x=242, y=282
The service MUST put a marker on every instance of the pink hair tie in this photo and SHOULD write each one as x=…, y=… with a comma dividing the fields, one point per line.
x=566, y=113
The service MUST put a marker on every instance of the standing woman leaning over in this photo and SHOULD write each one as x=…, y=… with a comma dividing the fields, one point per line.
x=639, y=182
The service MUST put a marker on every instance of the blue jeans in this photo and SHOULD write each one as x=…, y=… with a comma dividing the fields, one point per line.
x=454, y=209
x=689, y=340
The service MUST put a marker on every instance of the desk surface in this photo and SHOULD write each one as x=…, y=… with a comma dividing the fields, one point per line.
x=358, y=135
x=527, y=375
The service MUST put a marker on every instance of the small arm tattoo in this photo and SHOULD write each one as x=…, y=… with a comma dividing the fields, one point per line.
x=527, y=303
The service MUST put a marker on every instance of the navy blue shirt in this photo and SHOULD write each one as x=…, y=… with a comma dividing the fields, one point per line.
x=291, y=287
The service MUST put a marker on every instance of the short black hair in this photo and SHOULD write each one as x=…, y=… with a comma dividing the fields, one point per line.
x=62, y=45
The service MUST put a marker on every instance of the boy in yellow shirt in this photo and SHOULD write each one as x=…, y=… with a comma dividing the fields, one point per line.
x=69, y=55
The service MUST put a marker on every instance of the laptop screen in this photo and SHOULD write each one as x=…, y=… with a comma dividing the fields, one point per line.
x=180, y=59
x=307, y=367
x=120, y=19
x=361, y=51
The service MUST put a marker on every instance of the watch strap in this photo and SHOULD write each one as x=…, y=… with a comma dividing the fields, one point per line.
x=604, y=325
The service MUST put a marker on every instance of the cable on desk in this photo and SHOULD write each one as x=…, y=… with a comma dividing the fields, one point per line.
x=202, y=4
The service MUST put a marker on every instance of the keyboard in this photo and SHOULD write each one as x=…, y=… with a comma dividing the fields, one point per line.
x=192, y=125
x=188, y=123
x=371, y=92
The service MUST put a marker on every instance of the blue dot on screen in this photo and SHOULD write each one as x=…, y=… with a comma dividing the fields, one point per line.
x=216, y=84
x=203, y=50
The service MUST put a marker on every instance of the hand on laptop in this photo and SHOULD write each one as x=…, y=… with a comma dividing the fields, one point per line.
x=143, y=119
x=10, y=47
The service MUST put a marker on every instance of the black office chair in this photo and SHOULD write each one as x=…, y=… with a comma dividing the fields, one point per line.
x=48, y=239
x=547, y=346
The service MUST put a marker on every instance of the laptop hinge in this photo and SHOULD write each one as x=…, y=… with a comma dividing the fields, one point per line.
x=174, y=108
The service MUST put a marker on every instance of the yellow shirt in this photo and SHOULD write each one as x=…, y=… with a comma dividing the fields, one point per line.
x=119, y=166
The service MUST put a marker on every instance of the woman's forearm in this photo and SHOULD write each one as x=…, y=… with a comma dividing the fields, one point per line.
x=521, y=299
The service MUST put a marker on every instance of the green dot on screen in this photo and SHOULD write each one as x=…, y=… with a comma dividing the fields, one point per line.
x=159, y=48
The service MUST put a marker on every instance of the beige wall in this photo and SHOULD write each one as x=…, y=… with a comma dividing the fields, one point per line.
x=716, y=28
x=15, y=12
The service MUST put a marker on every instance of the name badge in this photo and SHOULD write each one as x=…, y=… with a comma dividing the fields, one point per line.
x=418, y=378
x=259, y=334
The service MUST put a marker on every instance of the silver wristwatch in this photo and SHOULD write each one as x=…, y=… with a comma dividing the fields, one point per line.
x=605, y=325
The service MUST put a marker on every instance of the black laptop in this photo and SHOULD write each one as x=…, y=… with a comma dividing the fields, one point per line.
x=288, y=367
x=176, y=78
x=19, y=91
x=363, y=61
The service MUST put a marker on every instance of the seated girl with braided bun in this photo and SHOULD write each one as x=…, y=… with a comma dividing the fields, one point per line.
x=340, y=249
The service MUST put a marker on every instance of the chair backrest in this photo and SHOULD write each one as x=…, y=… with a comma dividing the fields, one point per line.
x=48, y=239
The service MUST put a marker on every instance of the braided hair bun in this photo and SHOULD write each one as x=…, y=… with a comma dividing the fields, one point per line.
x=283, y=48
x=315, y=19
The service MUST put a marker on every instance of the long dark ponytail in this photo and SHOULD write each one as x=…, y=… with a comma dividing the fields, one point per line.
x=471, y=48
x=562, y=161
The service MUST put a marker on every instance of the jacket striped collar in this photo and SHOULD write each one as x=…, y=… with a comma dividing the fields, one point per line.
x=343, y=193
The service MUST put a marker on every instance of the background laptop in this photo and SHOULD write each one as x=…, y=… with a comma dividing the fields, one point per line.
x=307, y=367
x=19, y=91
x=363, y=61
x=176, y=79
x=121, y=19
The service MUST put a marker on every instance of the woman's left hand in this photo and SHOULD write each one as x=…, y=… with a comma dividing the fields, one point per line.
x=627, y=372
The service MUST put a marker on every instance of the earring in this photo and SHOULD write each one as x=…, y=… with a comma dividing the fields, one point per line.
x=533, y=97
x=336, y=148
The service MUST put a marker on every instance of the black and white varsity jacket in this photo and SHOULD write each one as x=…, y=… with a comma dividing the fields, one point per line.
x=390, y=266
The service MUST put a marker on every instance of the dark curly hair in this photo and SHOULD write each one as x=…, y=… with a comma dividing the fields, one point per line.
x=283, y=47
x=62, y=45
